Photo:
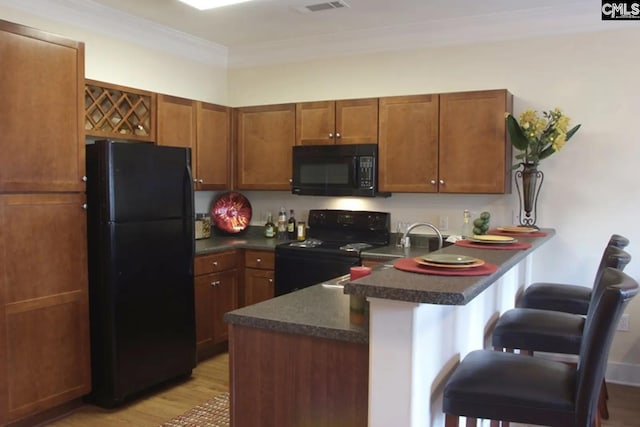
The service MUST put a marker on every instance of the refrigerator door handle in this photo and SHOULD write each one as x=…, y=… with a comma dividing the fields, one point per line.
x=189, y=217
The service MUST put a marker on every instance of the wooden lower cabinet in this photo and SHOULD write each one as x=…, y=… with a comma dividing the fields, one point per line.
x=289, y=380
x=258, y=276
x=44, y=326
x=215, y=294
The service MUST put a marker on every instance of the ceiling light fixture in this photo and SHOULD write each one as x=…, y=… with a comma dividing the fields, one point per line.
x=210, y=4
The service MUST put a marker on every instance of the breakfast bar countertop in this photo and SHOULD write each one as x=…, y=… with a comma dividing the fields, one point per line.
x=389, y=283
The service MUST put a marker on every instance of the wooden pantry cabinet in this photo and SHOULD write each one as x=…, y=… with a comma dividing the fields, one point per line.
x=119, y=112
x=216, y=292
x=44, y=318
x=258, y=276
x=42, y=142
x=264, y=138
x=353, y=121
x=447, y=143
x=206, y=129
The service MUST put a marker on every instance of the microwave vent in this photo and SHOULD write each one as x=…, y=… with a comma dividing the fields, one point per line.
x=319, y=7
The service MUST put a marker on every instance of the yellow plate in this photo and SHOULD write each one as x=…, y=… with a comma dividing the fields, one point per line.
x=477, y=263
x=491, y=238
x=517, y=229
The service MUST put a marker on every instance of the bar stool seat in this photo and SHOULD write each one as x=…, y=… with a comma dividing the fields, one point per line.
x=565, y=297
x=503, y=386
x=511, y=388
x=550, y=331
x=539, y=330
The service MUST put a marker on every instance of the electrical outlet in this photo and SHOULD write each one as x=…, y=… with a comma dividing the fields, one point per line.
x=623, y=325
x=444, y=223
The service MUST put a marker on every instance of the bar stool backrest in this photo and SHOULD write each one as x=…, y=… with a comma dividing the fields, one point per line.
x=617, y=290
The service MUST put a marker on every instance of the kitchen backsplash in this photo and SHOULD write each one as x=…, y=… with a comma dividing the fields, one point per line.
x=409, y=208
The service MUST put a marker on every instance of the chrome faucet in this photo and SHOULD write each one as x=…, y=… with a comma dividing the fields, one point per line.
x=406, y=243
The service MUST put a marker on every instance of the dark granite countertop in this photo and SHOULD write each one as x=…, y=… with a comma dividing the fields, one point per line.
x=388, y=283
x=320, y=311
x=252, y=238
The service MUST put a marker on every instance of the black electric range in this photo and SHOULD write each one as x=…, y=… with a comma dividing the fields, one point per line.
x=335, y=239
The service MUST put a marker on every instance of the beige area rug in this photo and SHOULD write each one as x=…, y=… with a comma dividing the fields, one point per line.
x=212, y=413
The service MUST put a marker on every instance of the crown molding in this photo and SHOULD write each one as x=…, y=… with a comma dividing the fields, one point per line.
x=535, y=22
x=96, y=18
x=577, y=17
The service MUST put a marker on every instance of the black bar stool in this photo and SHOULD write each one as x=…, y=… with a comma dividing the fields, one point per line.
x=511, y=388
x=564, y=297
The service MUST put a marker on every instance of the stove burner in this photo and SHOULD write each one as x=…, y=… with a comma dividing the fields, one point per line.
x=355, y=247
x=309, y=243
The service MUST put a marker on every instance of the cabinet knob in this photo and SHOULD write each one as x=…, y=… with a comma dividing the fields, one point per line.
x=338, y=135
x=198, y=181
x=433, y=182
x=84, y=206
x=331, y=135
x=84, y=178
x=215, y=283
x=441, y=182
x=270, y=280
x=258, y=260
x=290, y=180
x=215, y=263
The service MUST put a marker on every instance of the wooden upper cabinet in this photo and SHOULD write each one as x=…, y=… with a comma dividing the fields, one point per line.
x=113, y=111
x=177, y=122
x=408, y=147
x=265, y=136
x=203, y=127
x=42, y=87
x=213, y=147
x=353, y=121
x=474, y=152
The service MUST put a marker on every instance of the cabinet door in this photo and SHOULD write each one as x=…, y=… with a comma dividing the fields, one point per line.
x=475, y=155
x=45, y=354
x=357, y=121
x=408, y=146
x=315, y=123
x=265, y=137
x=225, y=299
x=213, y=149
x=42, y=87
x=258, y=285
x=177, y=123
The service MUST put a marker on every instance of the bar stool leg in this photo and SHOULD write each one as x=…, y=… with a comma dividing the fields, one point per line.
x=451, y=420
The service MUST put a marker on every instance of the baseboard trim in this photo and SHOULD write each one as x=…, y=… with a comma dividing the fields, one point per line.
x=623, y=373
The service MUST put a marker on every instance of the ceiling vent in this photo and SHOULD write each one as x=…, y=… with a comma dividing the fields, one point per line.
x=319, y=7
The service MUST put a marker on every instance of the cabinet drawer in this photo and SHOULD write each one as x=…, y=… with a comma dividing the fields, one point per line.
x=205, y=264
x=259, y=259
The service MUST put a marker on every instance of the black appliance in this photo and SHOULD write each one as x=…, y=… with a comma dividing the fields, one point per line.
x=334, y=241
x=140, y=229
x=336, y=170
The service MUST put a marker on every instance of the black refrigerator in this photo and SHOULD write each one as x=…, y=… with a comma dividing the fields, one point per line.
x=141, y=248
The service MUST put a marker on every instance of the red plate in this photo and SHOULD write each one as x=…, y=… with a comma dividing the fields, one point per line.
x=231, y=212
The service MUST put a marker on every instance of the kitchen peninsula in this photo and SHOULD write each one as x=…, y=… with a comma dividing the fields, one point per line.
x=298, y=359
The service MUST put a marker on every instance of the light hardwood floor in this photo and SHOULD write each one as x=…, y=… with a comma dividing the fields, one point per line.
x=211, y=377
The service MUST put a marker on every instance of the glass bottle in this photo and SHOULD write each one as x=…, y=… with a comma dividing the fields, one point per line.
x=291, y=226
x=282, y=224
x=269, y=227
x=467, y=227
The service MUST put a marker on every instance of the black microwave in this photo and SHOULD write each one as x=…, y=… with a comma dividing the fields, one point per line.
x=335, y=170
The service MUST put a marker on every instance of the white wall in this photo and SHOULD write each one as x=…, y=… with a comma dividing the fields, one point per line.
x=590, y=190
